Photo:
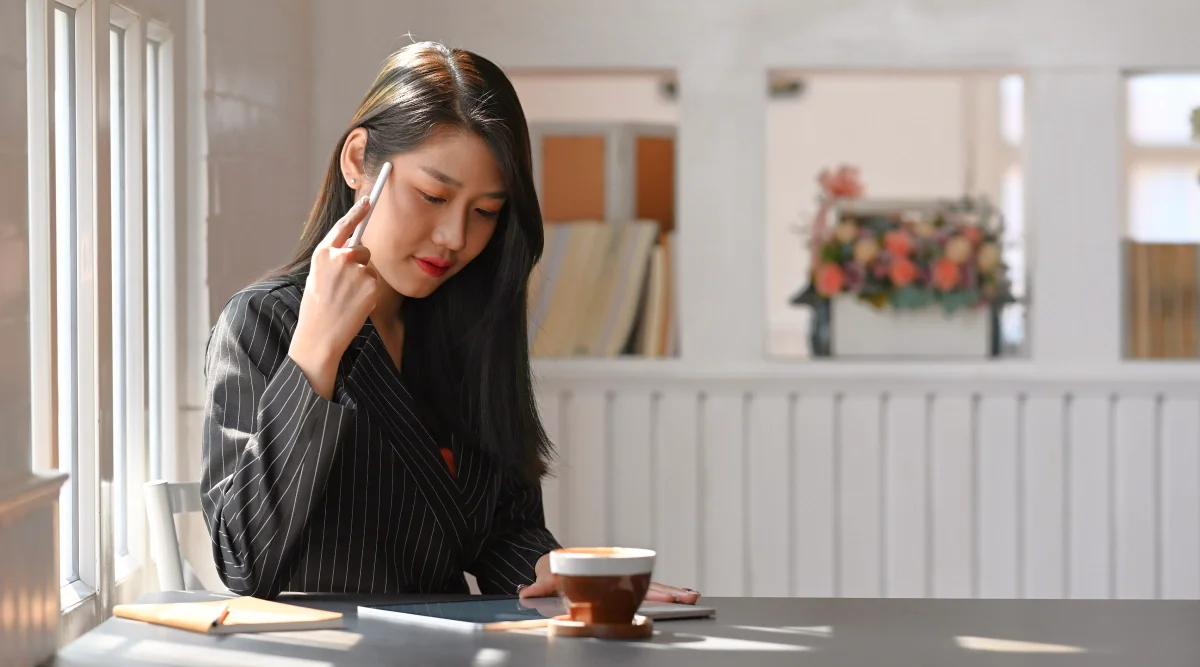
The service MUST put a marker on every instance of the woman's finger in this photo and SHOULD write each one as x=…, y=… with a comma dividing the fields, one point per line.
x=662, y=593
x=359, y=254
x=341, y=230
x=538, y=589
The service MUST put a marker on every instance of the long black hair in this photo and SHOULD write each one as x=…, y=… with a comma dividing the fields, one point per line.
x=466, y=346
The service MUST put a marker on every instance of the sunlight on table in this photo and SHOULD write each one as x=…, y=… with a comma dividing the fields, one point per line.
x=1013, y=646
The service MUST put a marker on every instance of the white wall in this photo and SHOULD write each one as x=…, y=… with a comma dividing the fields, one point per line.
x=14, y=244
x=258, y=91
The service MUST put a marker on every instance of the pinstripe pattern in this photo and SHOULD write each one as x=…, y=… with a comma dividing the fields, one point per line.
x=350, y=495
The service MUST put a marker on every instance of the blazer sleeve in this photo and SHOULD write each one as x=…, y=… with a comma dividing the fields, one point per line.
x=269, y=442
x=518, y=539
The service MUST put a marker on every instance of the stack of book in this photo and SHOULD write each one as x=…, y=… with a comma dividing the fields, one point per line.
x=604, y=289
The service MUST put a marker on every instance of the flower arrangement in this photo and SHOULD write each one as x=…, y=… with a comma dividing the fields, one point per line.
x=913, y=260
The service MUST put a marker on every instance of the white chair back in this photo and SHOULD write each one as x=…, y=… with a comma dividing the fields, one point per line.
x=163, y=501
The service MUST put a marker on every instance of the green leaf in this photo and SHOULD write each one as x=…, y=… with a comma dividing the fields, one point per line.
x=910, y=296
x=958, y=299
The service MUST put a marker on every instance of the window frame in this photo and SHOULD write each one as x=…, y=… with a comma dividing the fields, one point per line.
x=130, y=572
x=160, y=258
x=1136, y=154
x=104, y=576
x=994, y=158
x=84, y=598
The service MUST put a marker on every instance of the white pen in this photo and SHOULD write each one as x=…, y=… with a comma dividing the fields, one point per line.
x=356, y=237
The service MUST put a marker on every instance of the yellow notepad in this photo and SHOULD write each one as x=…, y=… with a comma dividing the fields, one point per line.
x=246, y=614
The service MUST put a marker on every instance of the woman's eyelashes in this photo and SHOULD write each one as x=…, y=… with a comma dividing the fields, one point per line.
x=432, y=199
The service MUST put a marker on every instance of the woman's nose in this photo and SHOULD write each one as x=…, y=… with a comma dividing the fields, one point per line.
x=451, y=232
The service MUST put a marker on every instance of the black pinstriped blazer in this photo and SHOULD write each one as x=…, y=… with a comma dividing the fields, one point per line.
x=350, y=495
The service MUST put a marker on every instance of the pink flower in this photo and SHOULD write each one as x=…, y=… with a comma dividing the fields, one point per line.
x=830, y=279
x=843, y=183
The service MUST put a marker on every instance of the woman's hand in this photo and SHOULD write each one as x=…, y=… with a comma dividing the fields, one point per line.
x=339, y=295
x=544, y=587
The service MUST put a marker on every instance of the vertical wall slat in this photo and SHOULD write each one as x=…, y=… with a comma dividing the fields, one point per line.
x=1044, y=500
x=952, y=485
x=907, y=497
x=768, y=512
x=549, y=404
x=814, y=498
x=631, y=485
x=860, y=477
x=676, y=492
x=586, y=477
x=997, y=480
x=1180, y=499
x=1136, y=485
x=1090, y=498
x=723, y=518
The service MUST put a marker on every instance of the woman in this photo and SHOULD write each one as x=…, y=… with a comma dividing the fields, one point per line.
x=370, y=424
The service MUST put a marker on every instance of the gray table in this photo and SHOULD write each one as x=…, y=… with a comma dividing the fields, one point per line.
x=923, y=633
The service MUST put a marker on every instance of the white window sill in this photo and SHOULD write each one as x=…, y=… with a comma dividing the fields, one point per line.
x=75, y=594
x=126, y=567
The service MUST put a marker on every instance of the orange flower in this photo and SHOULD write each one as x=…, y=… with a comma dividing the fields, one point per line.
x=898, y=243
x=946, y=274
x=903, y=272
x=973, y=234
x=830, y=279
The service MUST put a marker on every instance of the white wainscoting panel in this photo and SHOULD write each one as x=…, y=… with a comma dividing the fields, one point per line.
x=29, y=591
x=970, y=485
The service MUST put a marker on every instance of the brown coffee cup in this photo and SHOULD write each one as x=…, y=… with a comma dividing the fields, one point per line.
x=602, y=585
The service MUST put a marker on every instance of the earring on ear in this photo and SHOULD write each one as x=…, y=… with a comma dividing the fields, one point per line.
x=352, y=181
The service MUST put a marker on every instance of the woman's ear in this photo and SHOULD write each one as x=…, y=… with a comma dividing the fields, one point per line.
x=353, y=154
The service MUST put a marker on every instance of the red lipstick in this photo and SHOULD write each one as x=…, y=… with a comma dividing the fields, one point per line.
x=434, y=266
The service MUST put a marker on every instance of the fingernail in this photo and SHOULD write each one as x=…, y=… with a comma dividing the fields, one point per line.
x=688, y=590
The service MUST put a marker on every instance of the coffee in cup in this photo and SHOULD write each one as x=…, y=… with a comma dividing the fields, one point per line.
x=602, y=585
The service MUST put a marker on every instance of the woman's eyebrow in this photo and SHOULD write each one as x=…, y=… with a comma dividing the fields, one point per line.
x=443, y=177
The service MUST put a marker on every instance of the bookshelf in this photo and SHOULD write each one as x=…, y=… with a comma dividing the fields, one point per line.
x=605, y=287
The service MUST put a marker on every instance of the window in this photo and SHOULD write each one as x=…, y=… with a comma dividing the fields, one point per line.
x=155, y=250
x=1012, y=202
x=1162, y=159
x=1162, y=163
x=89, y=329
x=117, y=152
x=63, y=277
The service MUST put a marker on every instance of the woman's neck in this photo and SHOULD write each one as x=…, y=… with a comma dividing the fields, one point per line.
x=388, y=321
x=387, y=307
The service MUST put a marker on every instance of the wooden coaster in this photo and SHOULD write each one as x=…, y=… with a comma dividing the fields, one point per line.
x=563, y=626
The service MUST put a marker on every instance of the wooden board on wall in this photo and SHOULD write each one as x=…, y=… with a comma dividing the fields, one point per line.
x=573, y=178
x=656, y=181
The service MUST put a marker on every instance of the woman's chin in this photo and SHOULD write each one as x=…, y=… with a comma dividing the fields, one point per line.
x=416, y=285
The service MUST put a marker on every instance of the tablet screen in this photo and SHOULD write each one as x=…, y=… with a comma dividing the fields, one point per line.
x=481, y=611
